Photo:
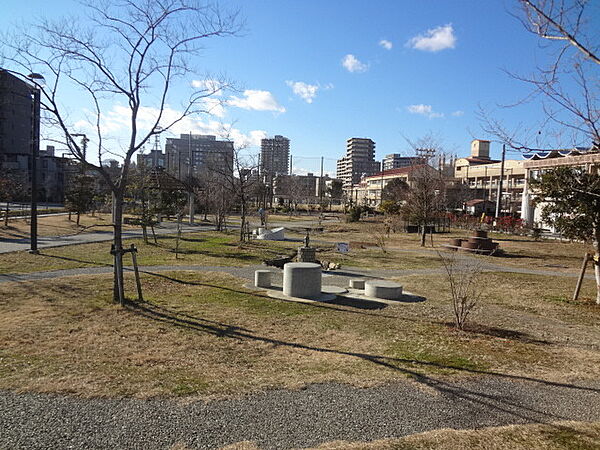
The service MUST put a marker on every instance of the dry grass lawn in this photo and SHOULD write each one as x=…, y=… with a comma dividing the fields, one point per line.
x=57, y=225
x=203, y=248
x=553, y=436
x=520, y=251
x=201, y=334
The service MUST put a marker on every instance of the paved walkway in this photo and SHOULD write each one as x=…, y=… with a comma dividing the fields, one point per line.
x=282, y=419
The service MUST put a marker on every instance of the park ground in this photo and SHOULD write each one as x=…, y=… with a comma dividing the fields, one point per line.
x=200, y=335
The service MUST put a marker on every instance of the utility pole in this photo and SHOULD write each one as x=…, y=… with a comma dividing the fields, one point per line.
x=272, y=177
x=190, y=190
x=381, y=187
x=35, y=149
x=499, y=195
x=321, y=186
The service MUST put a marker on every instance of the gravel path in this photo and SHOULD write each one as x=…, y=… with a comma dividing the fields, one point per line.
x=284, y=419
x=337, y=278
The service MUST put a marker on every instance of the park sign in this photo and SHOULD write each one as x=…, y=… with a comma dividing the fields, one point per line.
x=342, y=247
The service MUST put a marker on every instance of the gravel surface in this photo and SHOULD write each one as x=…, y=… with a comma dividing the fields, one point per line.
x=336, y=278
x=284, y=419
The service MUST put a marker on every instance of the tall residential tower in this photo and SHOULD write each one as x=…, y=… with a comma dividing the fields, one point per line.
x=275, y=156
x=358, y=162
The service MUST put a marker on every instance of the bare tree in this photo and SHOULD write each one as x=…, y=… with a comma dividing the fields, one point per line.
x=465, y=288
x=11, y=189
x=425, y=199
x=232, y=184
x=130, y=51
x=568, y=87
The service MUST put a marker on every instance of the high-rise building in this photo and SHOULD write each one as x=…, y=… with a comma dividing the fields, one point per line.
x=358, y=162
x=16, y=120
x=275, y=156
x=203, y=152
x=396, y=161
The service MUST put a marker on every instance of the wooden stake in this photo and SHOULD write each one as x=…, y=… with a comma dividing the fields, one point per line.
x=137, y=272
x=586, y=258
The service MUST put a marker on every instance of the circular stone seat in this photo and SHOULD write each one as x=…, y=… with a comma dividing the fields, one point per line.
x=262, y=278
x=383, y=289
x=357, y=283
x=302, y=279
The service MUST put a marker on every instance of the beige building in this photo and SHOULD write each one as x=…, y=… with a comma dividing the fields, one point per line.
x=482, y=175
x=541, y=161
x=358, y=162
x=369, y=191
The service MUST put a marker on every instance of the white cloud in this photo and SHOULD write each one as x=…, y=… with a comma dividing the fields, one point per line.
x=305, y=91
x=424, y=110
x=386, y=44
x=214, y=106
x=434, y=40
x=458, y=113
x=256, y=100
x=352, y=64
x=116, y=121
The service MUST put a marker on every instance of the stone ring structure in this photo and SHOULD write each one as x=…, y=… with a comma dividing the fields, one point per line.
x=387, y=290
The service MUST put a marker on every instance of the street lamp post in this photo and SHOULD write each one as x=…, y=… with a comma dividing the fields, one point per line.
x=35, y=148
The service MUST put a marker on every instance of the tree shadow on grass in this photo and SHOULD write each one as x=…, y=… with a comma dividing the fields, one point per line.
x=502, y=333
x=496, y=402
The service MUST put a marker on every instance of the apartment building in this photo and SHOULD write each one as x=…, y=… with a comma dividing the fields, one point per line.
x=275, y=156
x=358, y=162
x=195, y=153
x=397, y=161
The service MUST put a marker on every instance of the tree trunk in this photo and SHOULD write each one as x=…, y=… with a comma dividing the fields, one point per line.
x=243, y=221
x=423, y=235
x=7, y=214
x=179, y=217
x=78, y=217
x=597, y=263
x=117, y=216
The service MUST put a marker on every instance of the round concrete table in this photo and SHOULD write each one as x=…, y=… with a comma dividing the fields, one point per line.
x=302, y=279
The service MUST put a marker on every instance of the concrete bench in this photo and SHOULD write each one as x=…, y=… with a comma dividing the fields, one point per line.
x=387, y=290
x=262, y=278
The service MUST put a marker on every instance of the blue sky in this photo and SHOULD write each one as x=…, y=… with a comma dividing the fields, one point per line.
x=411, y=68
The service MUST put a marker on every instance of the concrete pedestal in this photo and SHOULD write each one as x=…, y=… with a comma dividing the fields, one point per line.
x=383, y=289
x=302, y=280
x=306, y=254
x=262, y=278
x=357, y=283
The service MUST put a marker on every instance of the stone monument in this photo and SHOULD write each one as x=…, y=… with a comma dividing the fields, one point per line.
x=307, y=253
